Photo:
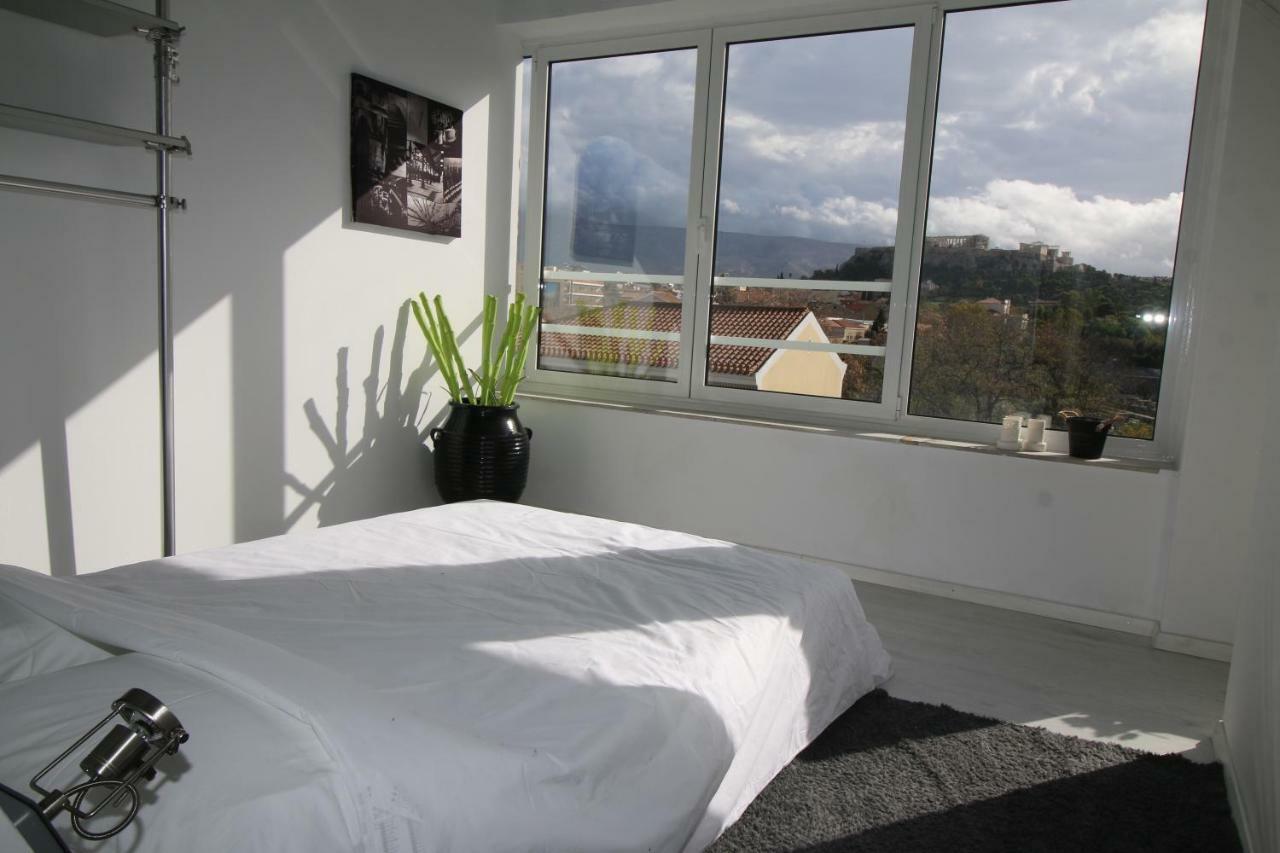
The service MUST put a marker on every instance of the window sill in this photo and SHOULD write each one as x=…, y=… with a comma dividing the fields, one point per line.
x=884, y=432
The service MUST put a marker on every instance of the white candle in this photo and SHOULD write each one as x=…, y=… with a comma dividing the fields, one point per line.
x=1035, y=435
x=1010, y=433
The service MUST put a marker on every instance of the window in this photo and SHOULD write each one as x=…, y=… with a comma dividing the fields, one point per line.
x=897, y=215
x=619, y=144
x=1053, y=213
x=810, y=169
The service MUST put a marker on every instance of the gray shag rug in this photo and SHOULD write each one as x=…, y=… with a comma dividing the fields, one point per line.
x=909, y=777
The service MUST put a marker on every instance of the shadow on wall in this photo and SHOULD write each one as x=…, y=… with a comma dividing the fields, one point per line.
x=388, y=469
x=77, y=320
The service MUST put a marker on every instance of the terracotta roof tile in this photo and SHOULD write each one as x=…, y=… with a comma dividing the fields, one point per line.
x=610, y=350
x=740, y=321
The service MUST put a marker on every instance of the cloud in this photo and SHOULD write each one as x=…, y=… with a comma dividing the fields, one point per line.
x=849, y=212
x=837, y=146
x=1110, y=233
x=1059, y=85
x=1164, y=46
x=1168, y=42
x=1062, y=122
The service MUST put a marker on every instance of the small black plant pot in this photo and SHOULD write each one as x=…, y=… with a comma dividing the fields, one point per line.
x=1086, y=436
x=481, y=452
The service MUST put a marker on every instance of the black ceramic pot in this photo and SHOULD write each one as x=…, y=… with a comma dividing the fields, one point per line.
x=481, y=452
x=1086, y=437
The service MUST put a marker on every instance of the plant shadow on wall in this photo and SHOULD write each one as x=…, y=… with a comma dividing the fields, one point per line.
x=388, y=469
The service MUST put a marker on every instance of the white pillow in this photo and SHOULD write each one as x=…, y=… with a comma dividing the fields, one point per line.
x=251, y=779
x=32, y=645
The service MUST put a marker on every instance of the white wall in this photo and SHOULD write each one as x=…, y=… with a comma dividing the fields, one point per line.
x=1252, y=715
x=274, y=287
x=77, y=316
x=1059, y=532
x=1234, y=327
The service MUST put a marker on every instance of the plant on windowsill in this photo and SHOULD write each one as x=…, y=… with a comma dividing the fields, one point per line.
x=482, y=449
x=1087, y=434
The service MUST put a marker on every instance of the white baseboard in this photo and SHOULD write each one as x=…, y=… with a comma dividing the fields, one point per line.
x=1222, y=751
x=1138, y=625
x=1195, y=646
x=1006, y=600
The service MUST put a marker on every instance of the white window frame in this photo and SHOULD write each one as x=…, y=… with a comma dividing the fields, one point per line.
x=698, y=40
x=1204, y=162
x=920, y=18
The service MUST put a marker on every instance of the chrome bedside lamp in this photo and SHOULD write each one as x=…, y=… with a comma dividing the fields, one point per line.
x=126, y=755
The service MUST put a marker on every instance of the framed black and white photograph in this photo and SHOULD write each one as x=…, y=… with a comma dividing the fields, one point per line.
x=406, y=160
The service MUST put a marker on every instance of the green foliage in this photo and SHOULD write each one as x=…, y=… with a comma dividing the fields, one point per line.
x=972, y=364
x=1071, y=339
x=500, y=373
x=969, y=364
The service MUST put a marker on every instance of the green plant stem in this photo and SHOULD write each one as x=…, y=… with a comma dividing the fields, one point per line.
x=501, y=371
x=433, y=344
x=515, y=320
x=504, y=350
x=486, y=344
x=450, y=342
x=522, y=355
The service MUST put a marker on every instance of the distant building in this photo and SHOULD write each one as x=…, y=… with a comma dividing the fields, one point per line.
x=570, y=342
x=981, y=242
x=562, y=296
x=1052, y=255
x=559, y=295
x=996, y=306
x=846, y=330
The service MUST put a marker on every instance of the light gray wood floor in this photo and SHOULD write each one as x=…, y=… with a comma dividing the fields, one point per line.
x=1073, y=679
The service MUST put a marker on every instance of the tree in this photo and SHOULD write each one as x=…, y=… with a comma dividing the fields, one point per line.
x=877, y=325
x=1070, y=369
x=863, y=377
x=972, y=365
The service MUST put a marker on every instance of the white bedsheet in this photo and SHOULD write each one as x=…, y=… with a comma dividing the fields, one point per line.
x=494, y=677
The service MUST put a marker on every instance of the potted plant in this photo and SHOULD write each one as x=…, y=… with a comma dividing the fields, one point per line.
x=1086, y=434
x=482, y=449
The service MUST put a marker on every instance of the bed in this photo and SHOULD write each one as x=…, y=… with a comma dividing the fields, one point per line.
x=476, y=677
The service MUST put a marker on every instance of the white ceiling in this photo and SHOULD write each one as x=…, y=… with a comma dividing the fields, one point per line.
x=516, y=11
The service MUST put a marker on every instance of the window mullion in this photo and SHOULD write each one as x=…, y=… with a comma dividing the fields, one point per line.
x=702, y=228
x=537, y=183
x=918, y=159
x=697, y=243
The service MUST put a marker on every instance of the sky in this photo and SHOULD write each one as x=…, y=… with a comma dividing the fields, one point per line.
x=1062, y=122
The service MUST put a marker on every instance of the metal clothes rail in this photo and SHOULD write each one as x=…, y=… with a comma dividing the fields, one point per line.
x=106, y=18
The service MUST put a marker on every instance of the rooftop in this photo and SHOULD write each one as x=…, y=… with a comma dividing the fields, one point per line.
x=769, y=322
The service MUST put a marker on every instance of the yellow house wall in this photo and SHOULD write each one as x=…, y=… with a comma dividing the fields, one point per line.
x=800, y=372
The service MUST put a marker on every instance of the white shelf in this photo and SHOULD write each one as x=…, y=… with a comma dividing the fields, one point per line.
x=99, y=17
x=53, y=124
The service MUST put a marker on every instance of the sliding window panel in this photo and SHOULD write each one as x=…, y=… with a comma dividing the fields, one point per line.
x=1059, y=158
x=815, y=148
x=618, y=127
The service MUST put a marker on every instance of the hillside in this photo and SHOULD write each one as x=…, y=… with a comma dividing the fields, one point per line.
x=659, y=250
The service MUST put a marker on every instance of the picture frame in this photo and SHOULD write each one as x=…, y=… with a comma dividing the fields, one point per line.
x=406, y=160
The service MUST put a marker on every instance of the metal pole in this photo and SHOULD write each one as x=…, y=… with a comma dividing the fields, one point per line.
x=35, y=185
x=165, y=59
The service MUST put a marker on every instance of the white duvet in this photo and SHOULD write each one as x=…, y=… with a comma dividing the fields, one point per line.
x=477, y=677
